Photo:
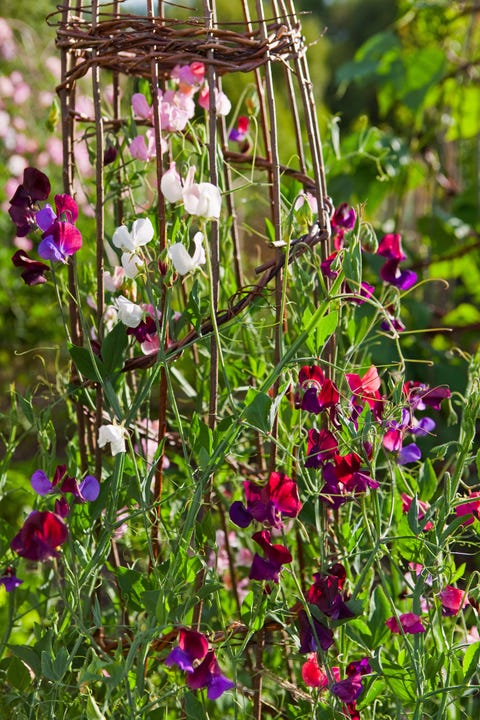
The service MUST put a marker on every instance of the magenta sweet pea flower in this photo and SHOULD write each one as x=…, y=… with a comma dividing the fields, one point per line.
x=60, y=237
x=390, y=247
x=402, y=279
x=410, y=624
x=209, y=675
x=9, y=580
x=192, y=646
x=469, y=509
x=344, y=218
x=42, y=533
x=34, y=270
x=268, y=567
x=267, y=503
x=453, y=600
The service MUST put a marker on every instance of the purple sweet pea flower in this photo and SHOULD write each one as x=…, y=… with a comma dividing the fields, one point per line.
x=34, y=270
x=313, y=634
x=409, y=453
x=9, y=580
x=267, y=503
x=402, y=279
x=87, y=491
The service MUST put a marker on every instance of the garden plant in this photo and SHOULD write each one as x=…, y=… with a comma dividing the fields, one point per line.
x=246, y=484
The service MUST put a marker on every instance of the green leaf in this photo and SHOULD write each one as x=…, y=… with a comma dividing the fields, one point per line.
x=381, y=613
x=427, y=481
x=200, y=440
x=319, y=334
x=28, y=655
x=413, y=517
x=193, y=707
x=132, y=586
x=471, y=661
x=18, y=674
x=257, y=410
x=87, y=364
x=113, y=348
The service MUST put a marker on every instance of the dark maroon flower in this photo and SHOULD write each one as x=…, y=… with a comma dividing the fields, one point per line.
x=268, y=567
x=110, y=154
x=35, y=187
x=42, y=533
x=313, y=634
x=9, y=580
x=267, y=503
x=326, y=266
x=34, y=272
x=192, y=646
x=209, y=675
x=420, y=395
x=322, y=446
x=325, y=593
x=145, y=330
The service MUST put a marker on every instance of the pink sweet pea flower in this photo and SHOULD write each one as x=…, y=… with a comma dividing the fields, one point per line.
x=453, y=600
x=222, y=103
x=470, y=509
x=60, y=237
x=410, y=624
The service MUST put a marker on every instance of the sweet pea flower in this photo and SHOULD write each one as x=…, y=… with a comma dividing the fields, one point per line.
x=182, y=261
x=87, y=491
x=130, y=242
x=322, y=446
x=422, y=509
x=201, y=199
x=113, y=435
x=326, y=593
x=313, y=634
x=208, y=675
x=143, y=147
x=469, y=509
x=189, y=77
x=343, y=218
x=129, y=313
x=222, y=103
x=313, y=675
x=60, y=237
x=390, y=247
x=34, y=270
x=192, y=647
x=240, y=133
x=9, y=580
x=42, y=533
x=267, y=503
x=315, y=392
x=409, y=623
x=171, y=184
x=453, y=600
x=268, y=567
x=35, y=187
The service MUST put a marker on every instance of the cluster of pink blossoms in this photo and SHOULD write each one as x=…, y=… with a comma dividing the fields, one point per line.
x=176, y=107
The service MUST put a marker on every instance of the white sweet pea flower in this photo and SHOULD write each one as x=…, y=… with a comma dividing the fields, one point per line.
x=171, y=184
x=130, y=242
x=182, y=261
x=129, y=313
x=113, y=434
x=202, y=199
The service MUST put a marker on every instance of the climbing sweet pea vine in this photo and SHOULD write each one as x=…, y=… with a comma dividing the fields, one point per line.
x=288, y=535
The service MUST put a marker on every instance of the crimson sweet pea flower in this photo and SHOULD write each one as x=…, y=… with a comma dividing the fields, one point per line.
x=42, y=533
x=267, y=503
x=312, y=674
x=410, y=624
x=268, y=567
x=453, y=600
x=321, y=447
